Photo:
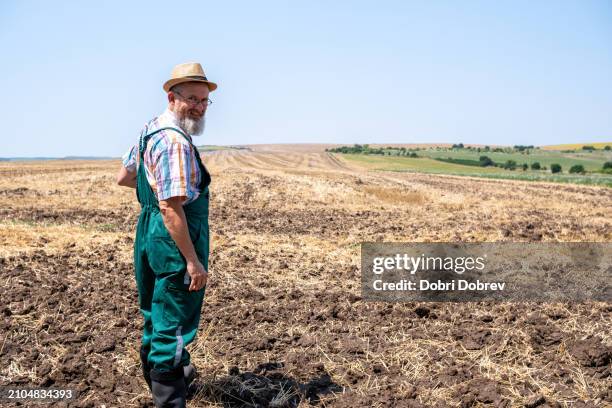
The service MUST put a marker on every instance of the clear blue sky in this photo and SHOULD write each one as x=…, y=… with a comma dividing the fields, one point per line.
x=81, y=78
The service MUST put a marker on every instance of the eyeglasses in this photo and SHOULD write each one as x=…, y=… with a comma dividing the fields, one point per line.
x=193, y=101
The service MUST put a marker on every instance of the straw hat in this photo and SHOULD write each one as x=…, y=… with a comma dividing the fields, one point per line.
x=188, y=72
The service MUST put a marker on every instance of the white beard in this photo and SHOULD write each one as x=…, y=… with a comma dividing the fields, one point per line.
x=194, y=127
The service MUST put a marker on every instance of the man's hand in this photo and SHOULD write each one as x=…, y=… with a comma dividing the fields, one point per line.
x=176, y=223
x=198, y=275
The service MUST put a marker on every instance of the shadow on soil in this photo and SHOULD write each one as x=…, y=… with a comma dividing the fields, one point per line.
x=265, y=386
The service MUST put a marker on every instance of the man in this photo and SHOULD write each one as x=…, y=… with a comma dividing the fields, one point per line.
x=172, y=236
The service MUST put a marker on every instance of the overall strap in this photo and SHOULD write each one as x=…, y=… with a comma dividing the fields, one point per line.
x=149, y=197
x=144, y=191
x=205, y=177
x=144, y=138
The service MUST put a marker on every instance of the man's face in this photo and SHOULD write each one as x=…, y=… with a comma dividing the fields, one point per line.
x=189, y=102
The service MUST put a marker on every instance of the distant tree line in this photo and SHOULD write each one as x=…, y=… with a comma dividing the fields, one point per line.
x=513, y=149
x=588, y=148
x=486, y=161
x=483, y=161
x=366, y=149
x=403, y=151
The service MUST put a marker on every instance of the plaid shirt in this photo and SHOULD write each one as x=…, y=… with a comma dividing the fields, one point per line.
x=171, y=166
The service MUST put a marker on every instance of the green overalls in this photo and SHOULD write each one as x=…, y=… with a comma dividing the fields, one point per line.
x=171, y=312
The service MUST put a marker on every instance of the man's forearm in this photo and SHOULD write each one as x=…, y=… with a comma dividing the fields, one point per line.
x=126, y=178
x=176, y=223
x=129, y=183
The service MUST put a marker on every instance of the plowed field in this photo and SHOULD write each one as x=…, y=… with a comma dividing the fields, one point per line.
x=283, y=323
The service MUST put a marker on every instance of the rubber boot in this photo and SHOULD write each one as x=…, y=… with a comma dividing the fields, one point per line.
x=146, y=369
x=189, y=373
x=168, y=389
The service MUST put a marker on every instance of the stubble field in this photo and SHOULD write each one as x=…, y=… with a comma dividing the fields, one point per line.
x=283, y=323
